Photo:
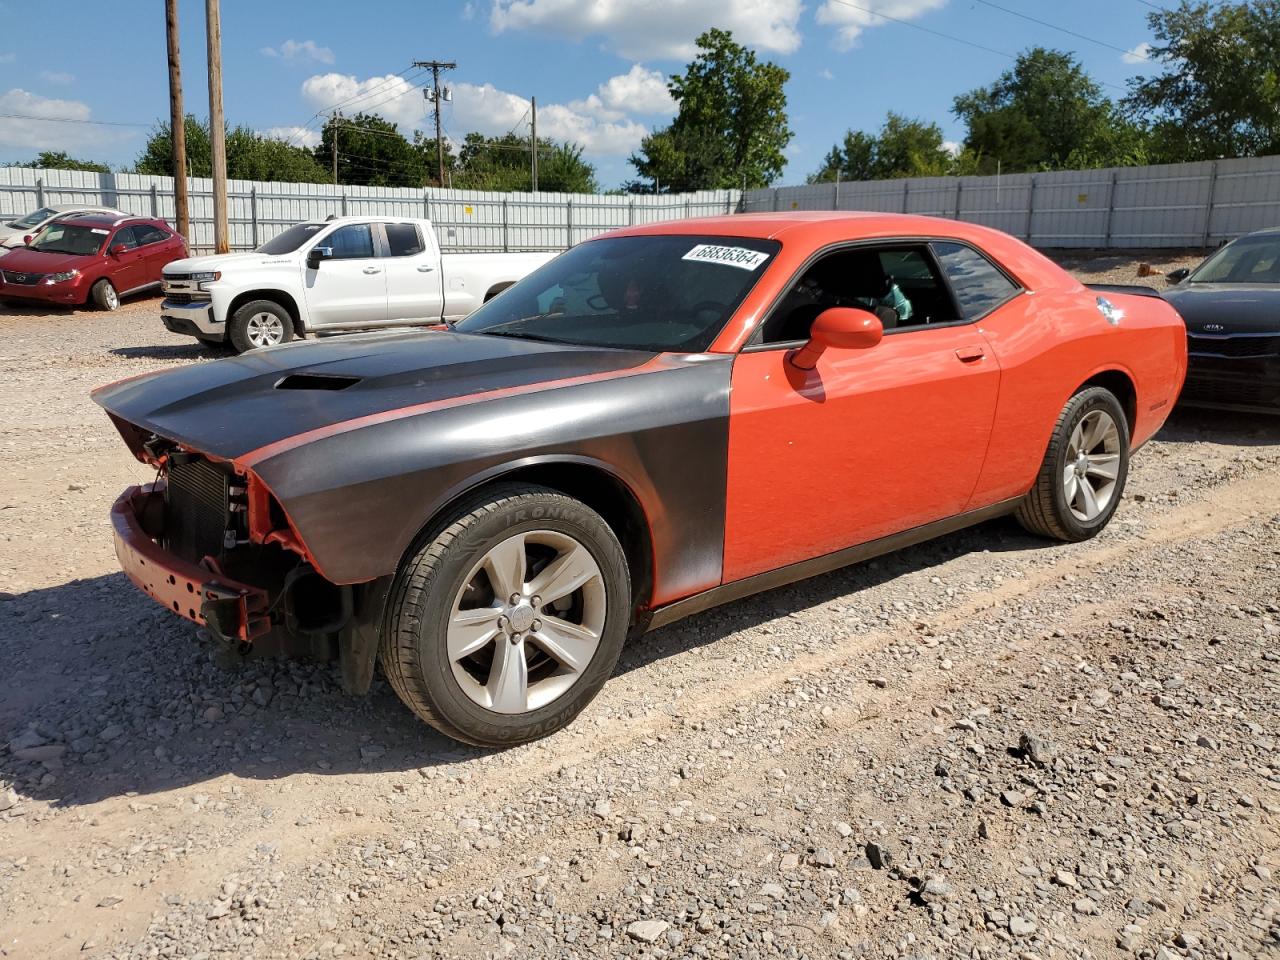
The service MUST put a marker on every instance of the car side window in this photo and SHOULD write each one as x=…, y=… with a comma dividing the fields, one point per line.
x=403, y=239
x=145, y=234
x=354, y=241
x=124, y=238
x=899, y=284
x=979, y=285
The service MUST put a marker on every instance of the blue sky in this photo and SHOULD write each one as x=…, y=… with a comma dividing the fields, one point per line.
x=597, y=67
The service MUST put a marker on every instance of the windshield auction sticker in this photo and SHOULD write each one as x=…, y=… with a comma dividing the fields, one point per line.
x=739, y=257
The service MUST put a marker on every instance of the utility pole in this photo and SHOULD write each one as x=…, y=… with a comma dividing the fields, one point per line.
x=533, y=124
x=217, y=127
x=333, y=144
x=436, y=66
x=177, y=122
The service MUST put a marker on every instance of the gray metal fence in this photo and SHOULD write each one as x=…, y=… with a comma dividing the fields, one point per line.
x=1175, y=205
x=466, y=220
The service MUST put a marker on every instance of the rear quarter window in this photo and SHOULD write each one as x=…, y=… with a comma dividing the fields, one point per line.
x=980, y=286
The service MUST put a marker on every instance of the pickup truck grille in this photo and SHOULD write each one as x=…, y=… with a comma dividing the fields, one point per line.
x=22, y=279
x=182, y=299
x=197, y=509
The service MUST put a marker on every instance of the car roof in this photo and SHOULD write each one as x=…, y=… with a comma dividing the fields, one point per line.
x=816, y=229
x=105, y=220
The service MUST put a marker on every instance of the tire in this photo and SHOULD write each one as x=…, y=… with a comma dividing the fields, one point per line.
x=449, y=678
x=257, y=324
x=1084, y=471
x=104, y=296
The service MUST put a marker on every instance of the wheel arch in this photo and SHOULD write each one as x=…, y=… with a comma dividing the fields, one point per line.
x=275, y=295
x=586, y=479
x=496, y=289
x=1121, y=384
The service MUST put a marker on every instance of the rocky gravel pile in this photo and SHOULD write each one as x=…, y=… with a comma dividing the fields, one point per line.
x=985, y=747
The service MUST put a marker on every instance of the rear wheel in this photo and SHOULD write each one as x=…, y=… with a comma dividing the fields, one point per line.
x=259, y=323
x=1083, y=474
x=506, y=624
x=104, y=296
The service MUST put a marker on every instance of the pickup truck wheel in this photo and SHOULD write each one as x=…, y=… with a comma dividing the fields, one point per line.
x=1083, y=474
x=259, y=323
x=507, y=622
x=104, y=295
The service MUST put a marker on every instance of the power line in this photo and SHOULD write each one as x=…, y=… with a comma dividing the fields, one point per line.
x=923, y=29
x=100, y=123
x=1054, y=26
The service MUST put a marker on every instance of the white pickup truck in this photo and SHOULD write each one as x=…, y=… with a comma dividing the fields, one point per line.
x=344, y=273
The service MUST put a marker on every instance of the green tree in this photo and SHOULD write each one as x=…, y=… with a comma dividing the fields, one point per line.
x=373, y=152
x=1219, y=92
x=903, y=147
x=1046, y=113
x=503, y=163
x=60, y=160
x=250, y=156
x=731, y=125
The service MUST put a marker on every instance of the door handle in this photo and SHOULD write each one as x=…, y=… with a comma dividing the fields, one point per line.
x=372, y=270
x=971, y=354
x=426, y=268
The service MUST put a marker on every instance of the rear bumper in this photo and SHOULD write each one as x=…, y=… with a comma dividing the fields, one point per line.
x=193, y=319
x=232, y=609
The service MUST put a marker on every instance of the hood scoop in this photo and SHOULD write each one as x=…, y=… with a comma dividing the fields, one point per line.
x=316, y=381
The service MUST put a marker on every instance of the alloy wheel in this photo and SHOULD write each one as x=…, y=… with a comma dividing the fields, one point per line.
x=1091, y=465
x=526, y=622
x=111, y=297
x=264, y=329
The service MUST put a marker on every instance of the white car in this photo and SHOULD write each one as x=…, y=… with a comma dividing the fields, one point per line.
x=344, y=273
x=14, y=233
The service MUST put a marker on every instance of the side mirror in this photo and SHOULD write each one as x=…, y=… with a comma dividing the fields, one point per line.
x=118, y=249
x=843, y=327
x=316, y=254
x=26, y=241
x=1177, y=276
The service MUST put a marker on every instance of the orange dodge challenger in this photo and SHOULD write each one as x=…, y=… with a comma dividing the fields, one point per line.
x=663, y=418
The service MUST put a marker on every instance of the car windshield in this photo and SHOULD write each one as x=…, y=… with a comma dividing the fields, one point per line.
x=661, y=293
x=291, y=239
x=1247, y=260
x=33, y=219
x=69, y=238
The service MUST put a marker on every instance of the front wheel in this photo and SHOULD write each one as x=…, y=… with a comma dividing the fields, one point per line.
x=1083, y=474
x=259, y=323
x=104, y=295
x=506, y=624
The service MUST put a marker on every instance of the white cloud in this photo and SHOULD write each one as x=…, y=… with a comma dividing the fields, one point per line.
x=952, y=147
x=594, y=122
x=55, y=77
x=8, y=57
x=638, y=91
x=826, y=74
x=391, y=97
x=851, y=21
x=1139, y=54
x=298, y=136
x=295, y=50
x=644, y=29
x=468, y=11
x=38, y=134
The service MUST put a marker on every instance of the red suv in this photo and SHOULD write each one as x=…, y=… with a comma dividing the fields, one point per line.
x=90, y=258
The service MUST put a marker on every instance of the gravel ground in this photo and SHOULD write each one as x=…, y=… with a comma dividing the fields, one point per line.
x=987, y=746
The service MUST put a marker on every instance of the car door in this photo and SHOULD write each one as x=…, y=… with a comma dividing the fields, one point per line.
x=870, y=442
x=126, y=262
x=350, y=286
x=412, y=263
x=153, y=244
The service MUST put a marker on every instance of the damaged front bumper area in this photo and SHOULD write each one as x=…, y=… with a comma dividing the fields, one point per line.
x=231, y=609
